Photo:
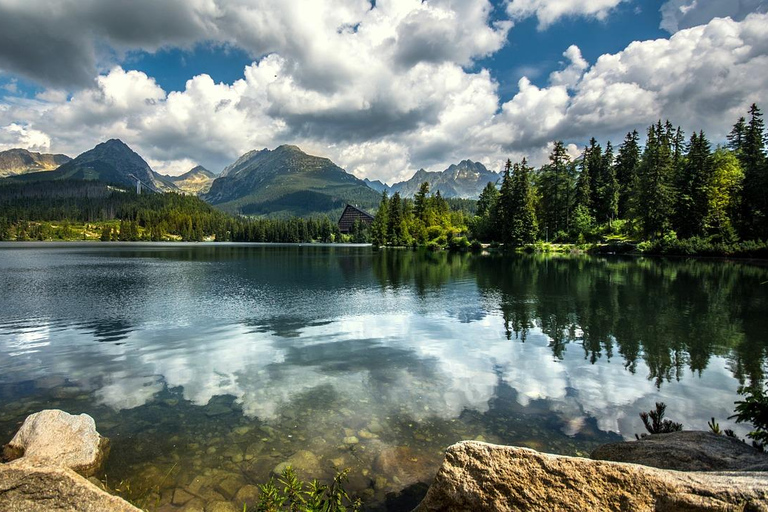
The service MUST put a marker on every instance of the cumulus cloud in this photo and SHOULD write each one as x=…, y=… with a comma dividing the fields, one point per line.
x=401, y=104
x=550, y=11
x=18, y=136
x=680, y=14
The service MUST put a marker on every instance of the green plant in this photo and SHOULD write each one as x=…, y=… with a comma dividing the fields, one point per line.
x=656, y=424
x=291, y=494
x=714, y=427
x=753, y=409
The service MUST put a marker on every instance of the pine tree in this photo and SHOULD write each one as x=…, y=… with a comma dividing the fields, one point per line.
x=724, y=194
x=395, y=221
x=523, y=221
x=627, y=165
x=487, y=200
x=583, y=194
x=693, y=187
x=607, y=188
x=505, y=205
x=737, y=135
x=753, y=161
x=656, y=194
x=381, y=221
x=556, y=188
x=420, y=202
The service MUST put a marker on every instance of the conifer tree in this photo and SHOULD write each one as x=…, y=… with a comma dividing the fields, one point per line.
x=737, y=135
x=394, y=224
x=693, y=187
x=753, y=161
x=607, y=188
x=656, y=195
x=627, y=165
x=420, y=202
x=505, y=205
x=523, y=221
x=381, y=221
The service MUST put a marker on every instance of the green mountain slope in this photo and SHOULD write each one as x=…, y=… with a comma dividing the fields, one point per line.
x=21, y=161
x=287, y=181
x=110, y=162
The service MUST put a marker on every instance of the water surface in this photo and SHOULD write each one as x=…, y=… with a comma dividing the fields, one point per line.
x=211, y=365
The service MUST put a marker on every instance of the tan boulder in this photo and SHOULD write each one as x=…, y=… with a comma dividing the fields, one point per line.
x=479, y=476
x=32, y=485
x=58, y=438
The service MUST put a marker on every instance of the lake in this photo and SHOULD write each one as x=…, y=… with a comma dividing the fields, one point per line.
x=211, y=365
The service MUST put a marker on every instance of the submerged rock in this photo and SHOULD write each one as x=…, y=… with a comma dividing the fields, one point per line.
x=57, y=438
x=686, y=451
x=480, y=476
x=31, y=484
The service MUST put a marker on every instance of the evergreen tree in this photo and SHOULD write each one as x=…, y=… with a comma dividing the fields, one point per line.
x=487, y=200
x=381, y=221
x=753, y=161
x=626, y=170
x=420, y=202
x=693, y=188
x=505, y=205
x=523, y=218
x=737, y=136
x=656, y=194
x=106, y=233
x=583, y=194
x=556, y=189
x=607, y=188
x=395, y=223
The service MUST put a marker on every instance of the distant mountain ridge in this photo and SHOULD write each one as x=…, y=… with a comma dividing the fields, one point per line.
x=287, y=181
x=463, y=180
x=110, y=162
x=20, y=161
x=197, y=180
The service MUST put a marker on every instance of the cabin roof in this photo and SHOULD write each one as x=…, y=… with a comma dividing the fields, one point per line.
x=350, y=215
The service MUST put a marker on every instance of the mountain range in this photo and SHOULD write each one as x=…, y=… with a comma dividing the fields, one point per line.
x=280, y=182
x=463, y=180
x=20, y=161
x=287, y=181
x=110, y=162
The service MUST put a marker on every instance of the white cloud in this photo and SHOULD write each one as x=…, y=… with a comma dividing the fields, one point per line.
x=393, y=113
x=680, y=14
x=550, y=11
x=18, y=136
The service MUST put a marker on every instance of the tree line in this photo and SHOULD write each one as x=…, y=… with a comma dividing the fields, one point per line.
x=46, y=210
x=671, y=188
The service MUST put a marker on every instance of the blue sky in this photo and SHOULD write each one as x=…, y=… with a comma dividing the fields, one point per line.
x=381, y=89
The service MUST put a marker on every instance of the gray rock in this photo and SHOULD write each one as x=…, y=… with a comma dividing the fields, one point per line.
x=686, y=451
x=480, y=476
x=31, y=485
x=57, y=438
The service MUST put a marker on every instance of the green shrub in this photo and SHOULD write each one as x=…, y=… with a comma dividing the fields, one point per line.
x=754, y=409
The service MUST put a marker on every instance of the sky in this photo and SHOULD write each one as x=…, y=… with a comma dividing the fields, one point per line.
x=381, y=87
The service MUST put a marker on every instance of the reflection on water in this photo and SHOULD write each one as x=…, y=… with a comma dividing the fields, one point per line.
x=211, y=365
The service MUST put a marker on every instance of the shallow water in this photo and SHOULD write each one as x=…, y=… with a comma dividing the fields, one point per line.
x=210, y=366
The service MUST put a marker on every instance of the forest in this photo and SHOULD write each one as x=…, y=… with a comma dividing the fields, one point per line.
x=67, y=210
x=672, y=195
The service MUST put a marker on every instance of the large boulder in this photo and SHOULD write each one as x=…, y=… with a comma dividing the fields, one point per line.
x=479, y=476
x=31, y=485
x=686, y=451
x=57, y=438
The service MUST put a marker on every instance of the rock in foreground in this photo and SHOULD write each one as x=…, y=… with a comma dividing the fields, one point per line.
x=688, y=450
x=57, y=438
x=478, y=476
x=29, y=485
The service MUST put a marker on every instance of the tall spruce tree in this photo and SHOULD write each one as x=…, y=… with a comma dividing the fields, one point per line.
x=505, y=205
x=523, y=219
x=606, y=207
x=420, y=201
x=381, y=221
x=753, y=161
x=656, y=193
x=692, y=206
x=556, y=188
x=395, y=222
x=737, y=135
x=627, y=165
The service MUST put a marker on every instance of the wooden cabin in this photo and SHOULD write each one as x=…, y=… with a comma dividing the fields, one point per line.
x=350, y=215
